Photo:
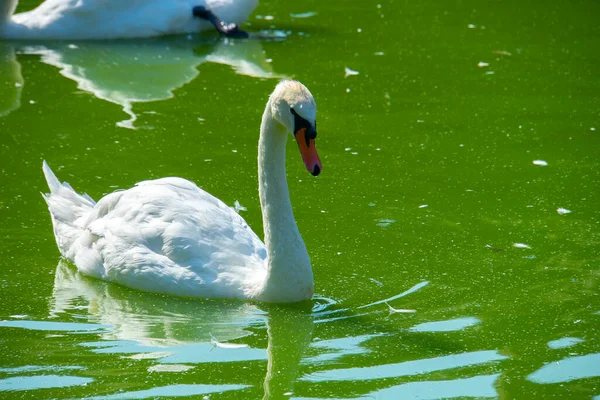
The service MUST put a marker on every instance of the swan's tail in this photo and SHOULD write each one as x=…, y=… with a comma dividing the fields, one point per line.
x=68, y=210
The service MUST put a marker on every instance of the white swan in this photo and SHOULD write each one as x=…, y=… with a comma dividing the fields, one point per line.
x=113, y=19
x=169, y=236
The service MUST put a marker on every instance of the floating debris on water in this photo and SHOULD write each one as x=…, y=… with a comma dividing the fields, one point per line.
x=541, y=163
x=424, y=206
x=216, y=343
x=304, y=15
x=502, y=52
x=238, y=207
x=347, y=90
x=379, y=53
x=405, y=293
x=489, y=72
x=492, y=248
x=170, y=368
x=483, y=64
x=521, y=246
x=384, y=222
x=562, y=211
x=471, y=26
x=399, y=310
x=350, y=72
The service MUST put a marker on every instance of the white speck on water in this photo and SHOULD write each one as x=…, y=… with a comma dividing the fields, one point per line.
x=592, y=129
x=562, y=211
x=483, y=64
x=72, y=46
x=502, y=52
x=201, y=119
x=207, y=159
x=350, y=72
x=378, y=5
x=238, y=207
x=269, y=60
x=384, y=222
x=420, y=121
x=19, y=316
x=339, y=253
x=379, y=53
x=269, y=17
x=234, y=151
x=378, y=149
x=521, y=246
x=472, y=26
x=304, y=15
x=541, y=163
x=354, y=153
x=19, y=84
x=348, y=148
x=347, y=90
x=359, y=30
x=31, y=101
x=489, y=72
x=423, y=206
x=371, y=204
x=323, y=211
x=375, y=281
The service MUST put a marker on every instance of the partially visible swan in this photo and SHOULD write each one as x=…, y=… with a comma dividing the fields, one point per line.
x=169, y=236
x=114, y=19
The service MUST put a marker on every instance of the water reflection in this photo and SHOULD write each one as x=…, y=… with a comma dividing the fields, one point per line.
x=11, y=80
x=568, y=369
x=175, y=331
x=407, y=368
x=128, y=72
x=478, y=386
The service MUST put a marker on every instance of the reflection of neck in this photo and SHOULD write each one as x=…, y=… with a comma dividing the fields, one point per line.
x=7, y=9
x=289, y=274
x=290, y=332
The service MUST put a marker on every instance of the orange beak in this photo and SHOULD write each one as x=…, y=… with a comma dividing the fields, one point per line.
x=308, y=149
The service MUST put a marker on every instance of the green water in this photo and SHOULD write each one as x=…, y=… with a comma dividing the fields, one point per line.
x=429, y=191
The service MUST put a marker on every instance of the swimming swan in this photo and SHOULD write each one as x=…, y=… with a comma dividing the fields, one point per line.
x=115, y=19
x=169, y=236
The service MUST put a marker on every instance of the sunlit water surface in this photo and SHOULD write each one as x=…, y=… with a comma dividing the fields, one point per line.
x=454, y=231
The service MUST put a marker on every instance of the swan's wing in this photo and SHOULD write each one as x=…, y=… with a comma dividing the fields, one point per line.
x=170, y=236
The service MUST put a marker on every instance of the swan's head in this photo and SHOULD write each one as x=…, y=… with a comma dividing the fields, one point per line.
x=294, y=107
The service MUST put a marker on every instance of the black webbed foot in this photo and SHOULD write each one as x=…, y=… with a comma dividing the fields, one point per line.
x=228, y=30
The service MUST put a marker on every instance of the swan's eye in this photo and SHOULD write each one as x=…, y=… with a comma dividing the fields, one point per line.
x=301, y=123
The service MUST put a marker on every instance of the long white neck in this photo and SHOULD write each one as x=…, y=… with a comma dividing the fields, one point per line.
x=289, y=273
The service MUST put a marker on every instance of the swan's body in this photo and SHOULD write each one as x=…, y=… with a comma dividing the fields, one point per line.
x=113, y=19
x=169, y=236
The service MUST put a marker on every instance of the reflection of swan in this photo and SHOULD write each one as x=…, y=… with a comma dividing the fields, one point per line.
x=129, y=72
x=169, y=236
x=110, y=19
x=152, y=320
x=11, y=80
x=173, y=331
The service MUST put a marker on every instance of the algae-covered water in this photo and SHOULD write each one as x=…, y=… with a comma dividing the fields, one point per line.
x=461, y=179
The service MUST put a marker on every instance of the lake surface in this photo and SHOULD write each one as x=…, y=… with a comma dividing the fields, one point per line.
x=461, y=179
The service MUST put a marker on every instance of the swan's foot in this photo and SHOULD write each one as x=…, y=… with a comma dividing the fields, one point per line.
x=228, y=30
